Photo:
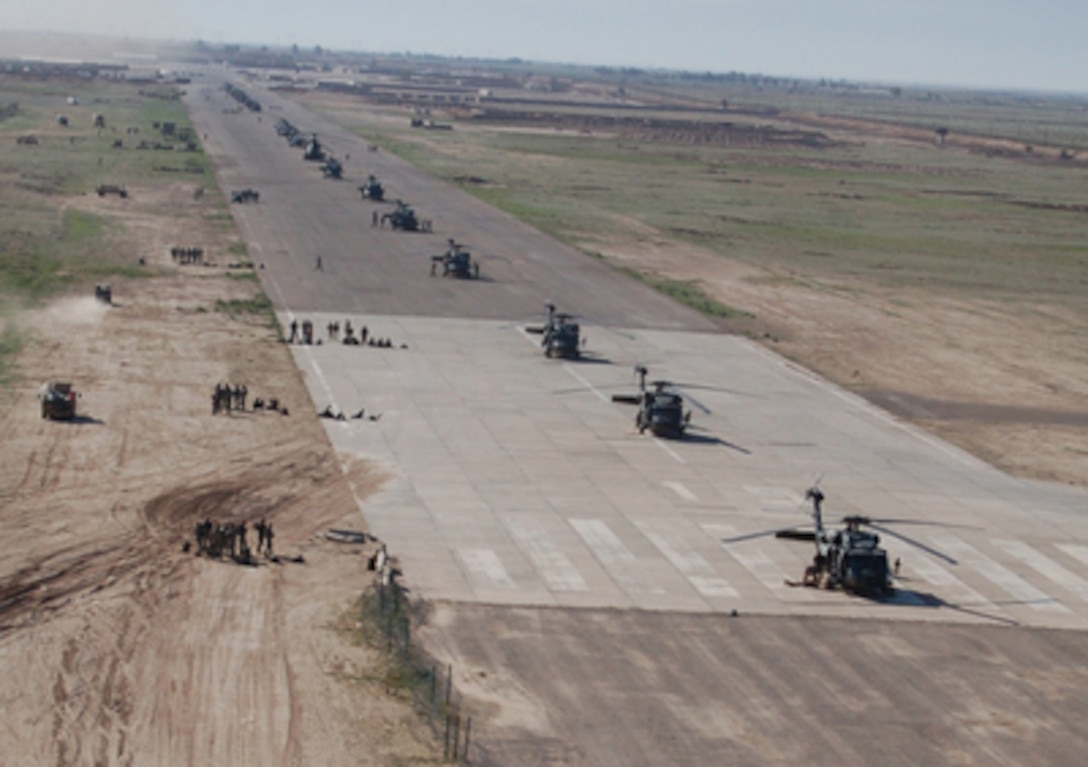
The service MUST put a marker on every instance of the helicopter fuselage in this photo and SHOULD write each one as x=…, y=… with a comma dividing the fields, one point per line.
x=854, y=561
x=562, y=339
x=662, y=413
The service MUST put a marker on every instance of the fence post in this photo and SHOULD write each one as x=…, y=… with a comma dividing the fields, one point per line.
x=446, y=750
x=468, y=733
x=456, y=734
x=449, y=684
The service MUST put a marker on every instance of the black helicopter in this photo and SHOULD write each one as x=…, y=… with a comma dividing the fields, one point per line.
x=333, y=168
x=313, y=151
x=851, y=559
x=456, y=262
x=372, y=189
x=562, y=335
x=660, y=407
x=405, y=219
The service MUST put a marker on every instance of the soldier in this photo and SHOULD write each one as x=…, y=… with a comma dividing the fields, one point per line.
x=242, y=398
x=363, y=334
x=243, y=541
x=318, y=267
x=225, y=395
x=215, y=401
x=294, y=331
x=268, y=540
x=260, y=534
x=374, y=218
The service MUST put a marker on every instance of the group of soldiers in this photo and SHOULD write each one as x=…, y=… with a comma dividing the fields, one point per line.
x=232, y=540
x=185, y=256
x=226, y=398
x=306, y=336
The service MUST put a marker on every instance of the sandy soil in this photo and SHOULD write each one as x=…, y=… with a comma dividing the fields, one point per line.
x=116, y=646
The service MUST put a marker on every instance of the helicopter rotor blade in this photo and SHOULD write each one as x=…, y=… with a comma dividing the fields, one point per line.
x=705, y=410
x=778, y=532
x=917, y=544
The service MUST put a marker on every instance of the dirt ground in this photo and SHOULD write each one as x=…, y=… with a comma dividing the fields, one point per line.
x=116, y=646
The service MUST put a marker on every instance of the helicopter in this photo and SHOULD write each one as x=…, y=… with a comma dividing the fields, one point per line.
x=561, y=335
x=372, y=189
x=851, y=558
x=660, y=408
x=333, y=168
x=456, y=262
x=314, y=151
x=404, y=218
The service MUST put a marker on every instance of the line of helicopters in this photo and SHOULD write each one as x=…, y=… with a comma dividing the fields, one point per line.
x=402, y=218
x=849, y=558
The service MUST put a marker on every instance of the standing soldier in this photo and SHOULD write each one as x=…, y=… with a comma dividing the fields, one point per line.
x=268, y=540
x=374, y=218
x=242, y=398
x=261, y=527
x=294, y=331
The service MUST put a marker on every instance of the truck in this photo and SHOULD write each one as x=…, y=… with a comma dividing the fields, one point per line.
x=58, y=401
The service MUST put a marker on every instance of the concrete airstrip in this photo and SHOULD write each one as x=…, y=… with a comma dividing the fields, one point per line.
x=585, y=577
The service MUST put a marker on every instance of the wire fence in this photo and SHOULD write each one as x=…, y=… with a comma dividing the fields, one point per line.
x=387, y=607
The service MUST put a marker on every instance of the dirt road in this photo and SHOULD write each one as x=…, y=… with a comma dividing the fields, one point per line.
x=118, y=647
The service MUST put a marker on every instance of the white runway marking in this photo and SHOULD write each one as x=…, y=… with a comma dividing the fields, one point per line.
x=661, y=444
x=681, y=490
x=604, y=543
x=1049, y=568
x=953, y=591
x=550, y=562
x=485, y=564
x=581, y=379
x=1078, y=551
x=616, y=558
x=1001, y=576
x=698, y=571
x=762, y=567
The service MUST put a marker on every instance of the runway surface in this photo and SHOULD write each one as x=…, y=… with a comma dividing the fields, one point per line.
x=518, y=485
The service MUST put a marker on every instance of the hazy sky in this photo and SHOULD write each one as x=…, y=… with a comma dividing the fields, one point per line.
x=991, y=43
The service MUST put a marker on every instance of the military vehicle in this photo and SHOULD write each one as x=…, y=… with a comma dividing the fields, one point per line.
x=242, y=97
x=405, y=219
x=851, y=558
x=456, y=262
x=660, y=407
x=104, y=189
x=245, y=195
x=286, y=129
x=372, y=189
x=561, y=335
x=58, y=400
x=333, y=168
x=314, y=152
